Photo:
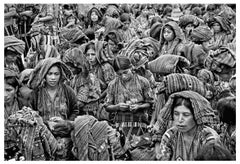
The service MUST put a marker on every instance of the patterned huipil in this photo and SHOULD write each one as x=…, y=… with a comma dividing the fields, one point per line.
x=49, y=108
x=173, y=147
x=138, y=91
x=88, y=92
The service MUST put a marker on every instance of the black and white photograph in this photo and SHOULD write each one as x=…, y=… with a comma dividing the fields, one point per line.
x=119, y=81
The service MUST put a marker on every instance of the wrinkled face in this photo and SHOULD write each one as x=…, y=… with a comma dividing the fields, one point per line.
x=168, y=34
x=53, y=76
x=125, y=75
x=91, y=56
x=126, y=25
x=183, y=118
x=216, y=27
x=9, y=93
x=94, y=16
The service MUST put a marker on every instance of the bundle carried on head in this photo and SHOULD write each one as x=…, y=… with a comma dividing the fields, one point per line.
x=166, y=64
x=14, y=44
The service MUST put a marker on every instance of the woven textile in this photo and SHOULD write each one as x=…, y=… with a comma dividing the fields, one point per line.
x=201, y=34
x=38, y=143
x=90, y=138
x=41, y=69
x=166, y=64
x=14, y=44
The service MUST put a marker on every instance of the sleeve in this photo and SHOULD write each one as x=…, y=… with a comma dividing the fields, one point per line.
x=82, y=94
x=147, y=91
x=72, y=106
x=108, y=73
x=110, y=95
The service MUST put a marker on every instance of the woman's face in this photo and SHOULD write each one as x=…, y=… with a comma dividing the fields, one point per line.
x=189, y=28
x=9, y=93
x=168, y=34
x=53, y=76
x=91, y=56
x=94, y=16
x=183, y=118
x=125, y=75
x=71, y=19
x=216, y=27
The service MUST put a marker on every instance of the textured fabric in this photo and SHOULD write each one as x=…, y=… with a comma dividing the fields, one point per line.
x=40, y=71
x=224, y=23
x=37, y=141
x=202, y=110
x=74, y=34
x=189, y=19
x=91, y=138
x=201, y=34
x=156, y=30
x=49, y=108
x=173, y=146
x=14, y=44
x=216, y=59
x=168, y=63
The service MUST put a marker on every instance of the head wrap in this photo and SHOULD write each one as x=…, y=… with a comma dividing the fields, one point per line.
x=206, y=76
x=125, y=17
x=202, y=110
x=112, y=10
x=189, y=19
x=175, y=14
x=156, y=30
x=167, y=64
x=14, y=44
x=97, y=11
x=202, y=34
x=10, y=73
x=224, y=23
x=41, y=69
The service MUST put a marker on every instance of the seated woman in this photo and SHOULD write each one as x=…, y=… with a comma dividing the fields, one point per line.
x=54, y=100
x=129, y=97
x=191, y=115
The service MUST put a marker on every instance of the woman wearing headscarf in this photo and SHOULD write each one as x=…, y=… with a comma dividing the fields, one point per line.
x=99, y=65
x=221, y=30
x=129, y=97
x=85, y=85
x=171, y=38
x=191, y=115
x=94, y=16
x=55, y=101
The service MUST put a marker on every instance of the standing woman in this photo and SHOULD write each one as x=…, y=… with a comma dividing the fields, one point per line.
x=55, y=101
x=129, y=97
x=192, y=115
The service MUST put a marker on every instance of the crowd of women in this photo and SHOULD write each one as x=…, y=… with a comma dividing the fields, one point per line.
x=119, y=82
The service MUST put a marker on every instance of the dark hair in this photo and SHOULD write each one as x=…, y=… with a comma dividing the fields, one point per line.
x=12, y=81
x=179, y=101
x=213, y=152
x=171, y=28
x=121, y=63
x=60, y=70
x=17, y=57
x=125, y=17
x=227, y=110
x=90, y=45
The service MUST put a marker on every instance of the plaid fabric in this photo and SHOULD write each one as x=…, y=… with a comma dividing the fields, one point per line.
x=203, y=112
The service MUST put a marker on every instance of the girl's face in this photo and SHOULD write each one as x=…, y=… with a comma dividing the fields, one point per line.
x=94, y=16
x=216, y=27
x=53, y=76
x=71, y=19
x=168, y=34
x=183, y=118
x=91, y=56
x=9, y=93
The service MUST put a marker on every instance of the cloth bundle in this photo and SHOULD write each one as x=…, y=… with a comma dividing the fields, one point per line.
x=14, y=44
x=38, y=143
x=166, y=64
x=201, y=34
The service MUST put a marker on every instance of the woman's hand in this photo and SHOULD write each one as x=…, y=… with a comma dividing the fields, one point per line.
x=134, y=107
x=123, y=107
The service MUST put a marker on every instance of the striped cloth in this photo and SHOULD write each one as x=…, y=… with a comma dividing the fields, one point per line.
x=202, y=110
x=168, y=63
x=90, y=138
x=14, y=44
x=177, y=82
